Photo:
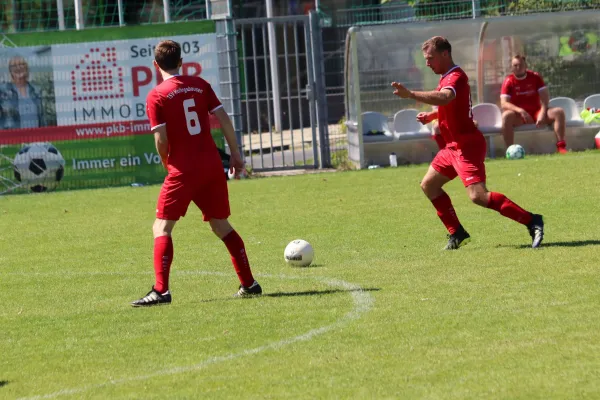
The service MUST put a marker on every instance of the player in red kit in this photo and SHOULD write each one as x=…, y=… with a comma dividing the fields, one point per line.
x=525, y=97
x=178, y=110
x=464, y=151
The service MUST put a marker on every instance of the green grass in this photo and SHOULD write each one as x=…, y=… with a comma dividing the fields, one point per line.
x=494, y=319
x=112, y=33
x=339, y=160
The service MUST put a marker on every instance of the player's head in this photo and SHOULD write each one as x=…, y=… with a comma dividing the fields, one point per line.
x=518, y=66
x=438, y=54
x=167, y=56
x=19, y=70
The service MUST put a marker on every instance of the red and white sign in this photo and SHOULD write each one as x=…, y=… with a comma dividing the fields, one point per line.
x=89, y=90
x=103, y=82
x=81, y=132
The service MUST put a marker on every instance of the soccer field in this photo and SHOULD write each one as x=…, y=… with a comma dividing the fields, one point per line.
x=382, y=313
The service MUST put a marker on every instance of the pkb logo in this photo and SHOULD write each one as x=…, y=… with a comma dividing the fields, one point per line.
x=97, y=76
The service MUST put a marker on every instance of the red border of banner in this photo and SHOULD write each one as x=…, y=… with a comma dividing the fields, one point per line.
x=81, y=132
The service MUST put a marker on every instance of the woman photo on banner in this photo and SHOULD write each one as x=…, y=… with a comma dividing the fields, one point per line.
x=26, y=98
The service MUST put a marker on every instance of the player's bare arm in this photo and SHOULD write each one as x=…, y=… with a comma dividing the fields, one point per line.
x=427, y=117
x=433, y=98
x=508, y=106
x=543, y=114
x=161, y=142
x=229, y=133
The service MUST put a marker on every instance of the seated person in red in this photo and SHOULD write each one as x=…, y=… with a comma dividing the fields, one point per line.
x=524, y=99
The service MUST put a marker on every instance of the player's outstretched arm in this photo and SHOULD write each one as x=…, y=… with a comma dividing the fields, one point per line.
x=162, y=143
x=229, y=133
x=433, y=98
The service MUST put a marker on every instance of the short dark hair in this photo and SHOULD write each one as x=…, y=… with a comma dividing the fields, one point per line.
x=437, y=43
x=167, y=55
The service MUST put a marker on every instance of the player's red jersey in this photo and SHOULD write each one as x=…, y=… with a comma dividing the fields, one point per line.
x=524, y=92
x=456, y=118
x=183, y=104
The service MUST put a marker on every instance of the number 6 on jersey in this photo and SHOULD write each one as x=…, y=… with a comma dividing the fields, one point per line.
x=191, y=117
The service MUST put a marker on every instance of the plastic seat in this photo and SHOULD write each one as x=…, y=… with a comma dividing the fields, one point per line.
x=375, y=123
x=592, y=101
x=570, y=108
x=405, y=123
x=488, y=117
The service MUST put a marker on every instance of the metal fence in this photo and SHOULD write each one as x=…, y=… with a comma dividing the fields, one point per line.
x=284, y=116
x=36, y=15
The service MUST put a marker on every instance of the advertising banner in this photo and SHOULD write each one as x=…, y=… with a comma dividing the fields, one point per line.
x=74, y=115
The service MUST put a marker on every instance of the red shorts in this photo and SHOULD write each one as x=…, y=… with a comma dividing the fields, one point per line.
x=534, y=114
x=209, y=193
x=468, y=164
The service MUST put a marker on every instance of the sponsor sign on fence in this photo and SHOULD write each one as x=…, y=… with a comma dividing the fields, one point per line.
x=87, y=102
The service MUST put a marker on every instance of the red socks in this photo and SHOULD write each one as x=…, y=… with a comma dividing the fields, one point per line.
x=497, y=202
x=446, y=212
x=236, y=248
x=163, y=257
x=502, y=204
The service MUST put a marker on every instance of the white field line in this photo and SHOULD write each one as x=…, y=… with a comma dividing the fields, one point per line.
x=362, y=300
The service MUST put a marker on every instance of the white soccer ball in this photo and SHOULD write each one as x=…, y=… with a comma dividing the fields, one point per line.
x=299, y=253
x=242, y=175
x=39, y=166
x=515, y=152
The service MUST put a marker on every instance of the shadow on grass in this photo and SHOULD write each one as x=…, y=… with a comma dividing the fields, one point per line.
x=310, y=266
x=294, y=294
x=574, y=243
x=3, y=383
x=318, y=292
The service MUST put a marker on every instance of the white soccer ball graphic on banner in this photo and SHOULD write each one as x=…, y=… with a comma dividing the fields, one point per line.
x=39, y=166
x=515, y=152
x=299, y=253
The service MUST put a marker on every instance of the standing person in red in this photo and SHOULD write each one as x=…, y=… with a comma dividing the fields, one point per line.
x=178, y=110
x=465, y=149
x=524, y=98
